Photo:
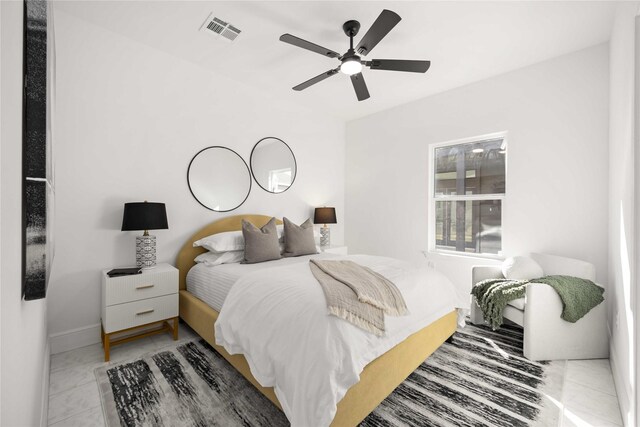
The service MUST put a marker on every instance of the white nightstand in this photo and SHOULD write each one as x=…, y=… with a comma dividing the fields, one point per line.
x=334, y=249
x=139, y=300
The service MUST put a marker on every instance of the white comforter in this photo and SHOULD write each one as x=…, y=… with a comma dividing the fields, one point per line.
x=277, y=318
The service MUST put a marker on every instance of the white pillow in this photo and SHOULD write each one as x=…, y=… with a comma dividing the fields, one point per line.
x=212, y=258
x=521, y=268
x=228, y=241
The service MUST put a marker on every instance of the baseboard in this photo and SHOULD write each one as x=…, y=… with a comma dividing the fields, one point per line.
x=624, y=398
x=44, y=398
x=75, y=338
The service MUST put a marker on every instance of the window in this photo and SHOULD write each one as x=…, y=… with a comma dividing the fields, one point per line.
x=469, y=183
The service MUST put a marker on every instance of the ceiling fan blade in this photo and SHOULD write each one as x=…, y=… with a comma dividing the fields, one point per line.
x=380, y=28
x=296, y=41
x=316, y=79
x=399, y=65
x=360, y=86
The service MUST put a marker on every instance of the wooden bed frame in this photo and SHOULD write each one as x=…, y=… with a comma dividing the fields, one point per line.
x=378, y=379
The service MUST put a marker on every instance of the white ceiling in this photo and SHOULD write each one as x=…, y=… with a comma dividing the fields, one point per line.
x=465, y=42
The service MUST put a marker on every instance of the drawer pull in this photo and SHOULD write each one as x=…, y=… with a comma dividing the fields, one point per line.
x=151, y=310
x=144, y=286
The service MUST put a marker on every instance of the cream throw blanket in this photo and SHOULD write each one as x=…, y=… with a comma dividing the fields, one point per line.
x=358, y=294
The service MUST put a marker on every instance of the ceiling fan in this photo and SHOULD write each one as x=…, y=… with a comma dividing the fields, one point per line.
x=351, y=63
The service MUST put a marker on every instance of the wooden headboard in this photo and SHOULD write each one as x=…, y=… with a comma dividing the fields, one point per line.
x=188, y=253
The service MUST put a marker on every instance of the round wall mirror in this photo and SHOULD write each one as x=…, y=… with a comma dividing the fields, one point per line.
x=273, y=165
x=219, y=179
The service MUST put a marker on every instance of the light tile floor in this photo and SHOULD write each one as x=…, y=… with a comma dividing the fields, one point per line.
x=588, y=396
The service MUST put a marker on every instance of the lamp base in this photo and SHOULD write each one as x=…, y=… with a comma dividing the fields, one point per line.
x=325, y=236
x=145, y=251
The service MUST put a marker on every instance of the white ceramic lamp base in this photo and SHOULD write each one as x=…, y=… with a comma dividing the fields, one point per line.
x=145, y=251
x=325, y=236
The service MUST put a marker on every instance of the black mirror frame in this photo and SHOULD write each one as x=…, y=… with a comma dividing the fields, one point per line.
x=295, y=165
x=245, y=165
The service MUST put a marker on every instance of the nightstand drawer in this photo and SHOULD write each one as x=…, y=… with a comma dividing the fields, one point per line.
x=124, y=316
x=140, y=286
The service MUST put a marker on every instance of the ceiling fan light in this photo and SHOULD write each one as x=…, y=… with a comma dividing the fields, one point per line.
x=351, y=67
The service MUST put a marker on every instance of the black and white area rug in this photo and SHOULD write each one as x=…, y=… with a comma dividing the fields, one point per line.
x=479, y=379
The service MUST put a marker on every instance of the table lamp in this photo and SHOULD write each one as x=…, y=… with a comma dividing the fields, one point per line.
x=325, y=215
x=145, y=216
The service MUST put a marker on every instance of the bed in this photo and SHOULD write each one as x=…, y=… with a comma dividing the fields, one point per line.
x=376, y=381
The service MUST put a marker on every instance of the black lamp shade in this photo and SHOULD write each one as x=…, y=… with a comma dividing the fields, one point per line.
x=144, y=216
x=325, y=216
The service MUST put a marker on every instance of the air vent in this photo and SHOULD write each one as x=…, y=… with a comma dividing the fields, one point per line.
x=219, y=28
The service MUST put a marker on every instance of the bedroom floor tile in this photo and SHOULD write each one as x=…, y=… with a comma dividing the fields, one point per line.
x=68, y=378
x=587, y=403
x=595, y=374
x=80, y=356
x=575, y=418
x=73, y=401
x=91, y=418
x=184, y=333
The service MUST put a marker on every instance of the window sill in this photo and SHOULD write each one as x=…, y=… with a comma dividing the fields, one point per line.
x=494, y=257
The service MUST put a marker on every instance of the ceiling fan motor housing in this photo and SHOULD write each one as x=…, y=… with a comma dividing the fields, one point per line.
x=351, y=28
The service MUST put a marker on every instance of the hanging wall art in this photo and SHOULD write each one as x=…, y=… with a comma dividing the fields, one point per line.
x=37, y=184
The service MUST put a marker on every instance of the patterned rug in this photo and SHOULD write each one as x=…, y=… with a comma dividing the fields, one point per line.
x=479, y=379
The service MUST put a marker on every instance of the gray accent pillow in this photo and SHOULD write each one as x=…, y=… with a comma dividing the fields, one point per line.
x=260, y=244
x=298, y=239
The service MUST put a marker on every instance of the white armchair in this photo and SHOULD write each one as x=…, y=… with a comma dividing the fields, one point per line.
x=546, y=335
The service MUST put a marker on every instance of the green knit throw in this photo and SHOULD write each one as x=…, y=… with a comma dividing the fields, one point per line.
x=578, y=296
x=493, y=295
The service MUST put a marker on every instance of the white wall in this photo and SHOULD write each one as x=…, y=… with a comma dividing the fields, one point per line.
x=637, y=208
x=622, y=213
x=556, y=116
x=24, y=356
x=129, y=119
